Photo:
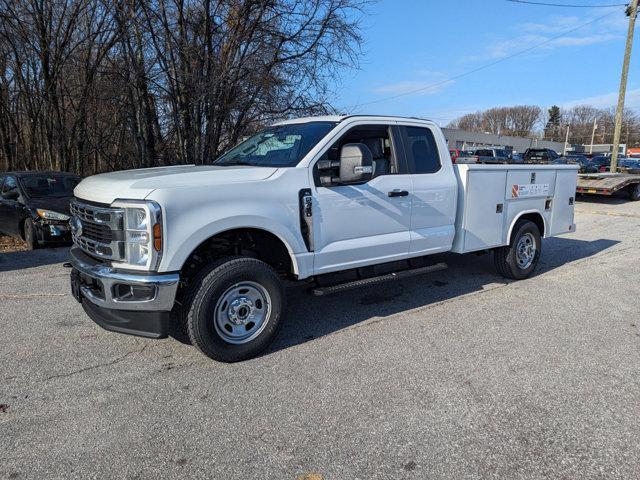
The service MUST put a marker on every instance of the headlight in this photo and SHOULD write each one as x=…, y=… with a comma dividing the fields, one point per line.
x=50, y=215
x=142, y=233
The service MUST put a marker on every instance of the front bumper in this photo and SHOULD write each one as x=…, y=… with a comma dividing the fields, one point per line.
x=50, y=232
x=134, y=303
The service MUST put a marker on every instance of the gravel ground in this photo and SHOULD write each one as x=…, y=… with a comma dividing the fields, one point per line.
x=454, y=375
x=10, y=244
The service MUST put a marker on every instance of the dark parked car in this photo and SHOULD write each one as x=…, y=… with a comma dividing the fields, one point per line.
x=602, y=163
x=629, y=163
x=34, y=206
x=540, y=155
x=599, y=163
x=577, y=159
x=493, y=155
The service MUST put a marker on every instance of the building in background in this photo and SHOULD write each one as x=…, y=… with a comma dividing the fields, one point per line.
x=599, y=149
x=465, y=140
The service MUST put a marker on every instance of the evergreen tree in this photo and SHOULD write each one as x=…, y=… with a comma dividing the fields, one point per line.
x=552, y=129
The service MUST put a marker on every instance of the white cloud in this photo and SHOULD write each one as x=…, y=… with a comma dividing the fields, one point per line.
x=587, y=40
x=555, y=24
x=606, y=100
x=531, y=34
x=413, y=87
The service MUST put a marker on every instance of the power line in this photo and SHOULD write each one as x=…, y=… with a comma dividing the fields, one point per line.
x=485, y=66
x=569, y=5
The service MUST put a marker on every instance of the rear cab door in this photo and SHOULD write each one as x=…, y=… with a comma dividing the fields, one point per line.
x=362, y=224
x=434, y=199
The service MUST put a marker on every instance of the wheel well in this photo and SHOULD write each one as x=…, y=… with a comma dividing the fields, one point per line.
x=534, y=217
x=246, y=242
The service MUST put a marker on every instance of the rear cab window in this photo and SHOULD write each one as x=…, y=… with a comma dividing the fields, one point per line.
x=421, y=149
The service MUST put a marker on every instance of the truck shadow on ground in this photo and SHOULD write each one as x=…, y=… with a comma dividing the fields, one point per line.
x=19, y=260
x=312, y=317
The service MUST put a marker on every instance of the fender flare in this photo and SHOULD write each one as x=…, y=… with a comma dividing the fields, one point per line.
x=213, y=229
x=519, y=216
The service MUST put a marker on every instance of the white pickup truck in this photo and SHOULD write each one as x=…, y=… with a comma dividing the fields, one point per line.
x=204, y=252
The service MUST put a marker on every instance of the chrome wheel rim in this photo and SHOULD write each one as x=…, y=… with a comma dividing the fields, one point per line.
x=526, y=251
x=242, y=312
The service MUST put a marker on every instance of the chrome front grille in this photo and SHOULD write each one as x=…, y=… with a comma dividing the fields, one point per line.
x=97, y=230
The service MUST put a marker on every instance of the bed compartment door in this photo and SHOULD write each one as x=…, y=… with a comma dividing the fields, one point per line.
x=484, y=209
x=562, y=207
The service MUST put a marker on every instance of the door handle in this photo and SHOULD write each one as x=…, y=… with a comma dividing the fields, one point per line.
x=398, y=193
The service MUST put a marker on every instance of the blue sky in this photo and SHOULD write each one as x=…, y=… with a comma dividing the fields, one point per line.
x=411, y=44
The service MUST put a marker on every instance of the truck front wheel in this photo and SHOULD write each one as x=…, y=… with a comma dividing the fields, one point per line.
x=235, y=308
x=519, y=259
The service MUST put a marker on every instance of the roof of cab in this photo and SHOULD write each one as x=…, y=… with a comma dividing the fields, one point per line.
x=340, y=118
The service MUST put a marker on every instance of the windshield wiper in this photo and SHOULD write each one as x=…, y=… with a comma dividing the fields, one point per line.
x=235, y=162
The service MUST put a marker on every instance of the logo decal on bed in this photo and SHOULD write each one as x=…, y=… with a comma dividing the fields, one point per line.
x=532, y=190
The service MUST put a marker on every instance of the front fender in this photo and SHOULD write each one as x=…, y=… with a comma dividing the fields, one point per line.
x=196, y=213
x=174, y=259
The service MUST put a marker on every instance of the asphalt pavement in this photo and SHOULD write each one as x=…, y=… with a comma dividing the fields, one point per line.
x=457, y=374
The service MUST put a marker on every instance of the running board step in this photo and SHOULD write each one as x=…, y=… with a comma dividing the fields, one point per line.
x=321, y=291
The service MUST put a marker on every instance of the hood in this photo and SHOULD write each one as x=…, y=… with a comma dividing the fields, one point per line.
x=138, y=184
x=55, y=204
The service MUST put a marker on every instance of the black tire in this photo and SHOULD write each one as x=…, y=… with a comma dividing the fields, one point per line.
x=634, y=192
x=178, y=323
x=212, y=286
x=178, y=329
x=506, y=258
x=30, y=236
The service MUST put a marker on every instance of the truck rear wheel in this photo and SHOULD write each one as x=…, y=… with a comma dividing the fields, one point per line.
x=235, y=308
x=519, y=259
x=634, y=192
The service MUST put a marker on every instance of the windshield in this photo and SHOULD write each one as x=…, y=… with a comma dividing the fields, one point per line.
x=49, y=185
x=280, y=146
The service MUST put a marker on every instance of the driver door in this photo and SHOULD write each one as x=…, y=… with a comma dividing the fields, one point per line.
x=367, y=223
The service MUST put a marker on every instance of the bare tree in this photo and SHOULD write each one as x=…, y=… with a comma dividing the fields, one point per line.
x=519, y=120
x=94, y=85
x=471, y=122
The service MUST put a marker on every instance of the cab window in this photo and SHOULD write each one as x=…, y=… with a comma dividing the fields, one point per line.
x=421, y=148
x=377, y=138
x=10, y=186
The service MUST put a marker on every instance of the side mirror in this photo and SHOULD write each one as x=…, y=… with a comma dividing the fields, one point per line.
x=11, y=195
x=356, y=163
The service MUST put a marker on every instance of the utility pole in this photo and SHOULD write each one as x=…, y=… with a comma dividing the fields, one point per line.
x=632, y=11
x=593, y=134
x=566, y=142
